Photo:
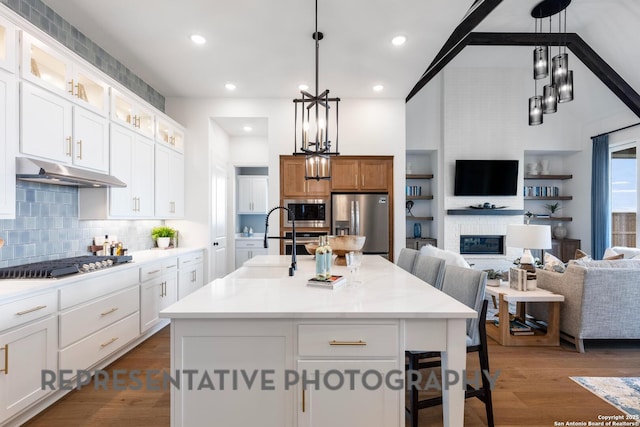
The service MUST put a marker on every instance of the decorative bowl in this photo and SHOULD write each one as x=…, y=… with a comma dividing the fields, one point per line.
x=311, y=247
x=341, y=245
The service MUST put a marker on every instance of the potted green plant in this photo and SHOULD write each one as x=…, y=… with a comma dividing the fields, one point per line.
x=553, y=207
x=163, y=235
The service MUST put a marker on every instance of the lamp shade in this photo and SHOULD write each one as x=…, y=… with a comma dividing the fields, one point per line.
x=529, y=236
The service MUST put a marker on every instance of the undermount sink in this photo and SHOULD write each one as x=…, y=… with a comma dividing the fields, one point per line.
x=262, y=272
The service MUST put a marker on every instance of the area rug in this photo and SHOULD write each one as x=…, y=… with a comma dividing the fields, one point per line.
x=621, y=392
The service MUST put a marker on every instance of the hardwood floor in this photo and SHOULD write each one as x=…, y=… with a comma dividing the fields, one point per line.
x=533, y=388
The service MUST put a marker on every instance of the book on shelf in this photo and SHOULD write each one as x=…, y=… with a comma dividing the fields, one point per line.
x=332, y=282
x=522, y=332
x=517, y=327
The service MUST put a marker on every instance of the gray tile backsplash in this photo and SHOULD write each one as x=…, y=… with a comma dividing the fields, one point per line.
x=47, y=227
x=45, y=18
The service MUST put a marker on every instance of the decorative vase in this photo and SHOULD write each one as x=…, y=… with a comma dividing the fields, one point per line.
x=163, y=242
x=559, y=231
x=417, y=230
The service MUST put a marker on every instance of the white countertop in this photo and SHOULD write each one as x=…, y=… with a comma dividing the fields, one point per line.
x=261, y=288
x=13, y=288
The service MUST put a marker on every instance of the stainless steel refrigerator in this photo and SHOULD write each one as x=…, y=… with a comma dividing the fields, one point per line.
x=365, y=215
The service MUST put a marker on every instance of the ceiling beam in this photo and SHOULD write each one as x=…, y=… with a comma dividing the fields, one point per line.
x=574, y=42
x=478, y=11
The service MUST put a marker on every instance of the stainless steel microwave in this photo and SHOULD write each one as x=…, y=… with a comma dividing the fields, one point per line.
x=309, y=212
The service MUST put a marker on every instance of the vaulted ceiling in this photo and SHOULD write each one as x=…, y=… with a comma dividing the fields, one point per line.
x=266, y=49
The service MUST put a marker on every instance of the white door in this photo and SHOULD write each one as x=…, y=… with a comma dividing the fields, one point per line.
x=218, y=264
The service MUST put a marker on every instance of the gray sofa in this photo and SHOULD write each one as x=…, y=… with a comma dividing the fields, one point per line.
x=602, y=299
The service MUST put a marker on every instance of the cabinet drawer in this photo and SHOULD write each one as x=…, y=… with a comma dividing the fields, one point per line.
x=92, y=349
x=347, y=340
x=27, y=309
x=97, y=286
x=250, y=243
x=150, y=271
x=190, y=259
x=84, y=320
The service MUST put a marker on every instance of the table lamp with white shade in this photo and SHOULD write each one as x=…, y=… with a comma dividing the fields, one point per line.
x=527, y=237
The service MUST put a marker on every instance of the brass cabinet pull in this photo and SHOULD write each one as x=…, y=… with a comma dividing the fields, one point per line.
x=111, y=341
x=303, y=401
x=109, y=311
x=193, y=276
x=135, y=121
x=71, y=84
x=359, y=342
x=68, y=146
x=6, y=360
x=171, y=266
x=153, y=272
x=79, y=149
x=31, y=310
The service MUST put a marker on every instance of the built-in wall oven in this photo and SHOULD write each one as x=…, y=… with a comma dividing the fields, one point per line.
x=309, y=213
x=302, y=237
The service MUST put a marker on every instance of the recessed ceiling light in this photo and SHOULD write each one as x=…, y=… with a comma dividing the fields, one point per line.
x=378, y=88
x=303, y=87
x=247, y=128
x=398, y=40
x=230, y=86
x=198, y=39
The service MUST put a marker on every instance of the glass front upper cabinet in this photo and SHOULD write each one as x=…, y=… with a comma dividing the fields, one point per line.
x=170, y=133
x=51, y=69
x=132, y=114
x=7, y=45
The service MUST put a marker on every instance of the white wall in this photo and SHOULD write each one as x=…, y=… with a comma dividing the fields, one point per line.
x=367, y=127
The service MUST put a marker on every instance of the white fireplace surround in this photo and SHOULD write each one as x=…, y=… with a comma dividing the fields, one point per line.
x=461, y=225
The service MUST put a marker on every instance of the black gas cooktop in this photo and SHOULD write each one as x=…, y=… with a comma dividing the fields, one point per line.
x=62, y=267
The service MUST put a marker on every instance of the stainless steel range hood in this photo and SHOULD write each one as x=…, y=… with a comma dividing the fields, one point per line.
x=35, y=170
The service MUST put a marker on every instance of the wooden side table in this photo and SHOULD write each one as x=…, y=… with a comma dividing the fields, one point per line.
x=501, y=332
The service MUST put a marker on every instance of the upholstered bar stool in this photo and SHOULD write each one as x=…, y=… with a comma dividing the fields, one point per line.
x=407, y=258
x=430, y=269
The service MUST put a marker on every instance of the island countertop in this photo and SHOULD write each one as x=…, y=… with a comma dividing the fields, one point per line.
x=261, y=288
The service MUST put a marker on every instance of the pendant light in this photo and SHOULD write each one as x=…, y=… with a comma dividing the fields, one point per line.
x=317, y=111
x=549, y=92
x=535, y=107
x=540, y=58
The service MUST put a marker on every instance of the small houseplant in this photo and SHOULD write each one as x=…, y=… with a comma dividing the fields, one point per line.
x=553, y=207
x=163, y=235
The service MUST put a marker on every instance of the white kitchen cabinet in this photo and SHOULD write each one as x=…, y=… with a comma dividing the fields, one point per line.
x=361, y=406
x=53, y=70
x=169, y=183
x=158, y=290
x=7, y=45
x=8, y=144
x=170, y=133
x=131, y=113
x=191, y=273
x=26, y=350
x=252, y=194
x=54, y=129
x=247, y=249
x=131, y=160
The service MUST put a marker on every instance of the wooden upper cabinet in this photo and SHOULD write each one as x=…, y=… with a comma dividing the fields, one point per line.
x=292, y=182
x=361, y=174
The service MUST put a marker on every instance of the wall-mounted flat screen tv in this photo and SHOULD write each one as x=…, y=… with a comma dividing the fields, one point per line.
x=486, y=178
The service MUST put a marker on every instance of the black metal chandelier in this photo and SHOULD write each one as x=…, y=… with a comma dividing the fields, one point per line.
x=312, y=127
x=560, y=86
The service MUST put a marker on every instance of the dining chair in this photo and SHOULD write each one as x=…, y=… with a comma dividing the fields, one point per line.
x=430, y=269
x=467, y=286
x=407, y=259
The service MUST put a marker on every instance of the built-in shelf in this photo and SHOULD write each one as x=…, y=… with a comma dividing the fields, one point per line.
x=503, y=212
x=555, y=218
x=419, y=197
x=420, y=218
x=549, y=198
x=420, y=176
x=561, y=176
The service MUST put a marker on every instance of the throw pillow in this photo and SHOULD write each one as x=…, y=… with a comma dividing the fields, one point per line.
x=581, y=254
x=451, y=258
x=618, y=256
x=553, y=263
x=608, y=253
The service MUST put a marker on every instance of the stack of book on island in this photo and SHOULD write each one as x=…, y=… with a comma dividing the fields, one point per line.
x=332, y=282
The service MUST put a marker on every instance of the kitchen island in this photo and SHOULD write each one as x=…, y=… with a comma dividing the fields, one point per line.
x=258, y=347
